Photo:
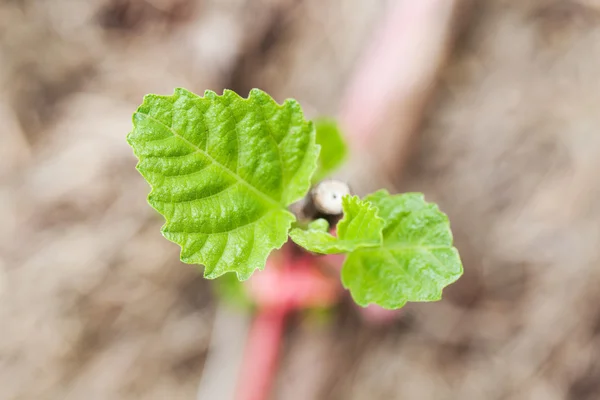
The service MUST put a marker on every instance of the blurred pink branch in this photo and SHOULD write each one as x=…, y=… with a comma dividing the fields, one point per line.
x=262, y=353
x=288, y=283
x=385, y=101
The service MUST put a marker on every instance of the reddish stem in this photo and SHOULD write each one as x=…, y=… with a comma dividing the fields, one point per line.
x=290, y=282
x=261, y=356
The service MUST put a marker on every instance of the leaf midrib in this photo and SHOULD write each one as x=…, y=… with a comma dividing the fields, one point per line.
x=227, y=170
x=423, y=249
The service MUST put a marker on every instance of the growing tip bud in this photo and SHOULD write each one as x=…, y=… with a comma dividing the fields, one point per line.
x=327, y=196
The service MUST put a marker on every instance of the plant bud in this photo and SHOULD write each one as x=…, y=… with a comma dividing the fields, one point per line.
x=327, y=196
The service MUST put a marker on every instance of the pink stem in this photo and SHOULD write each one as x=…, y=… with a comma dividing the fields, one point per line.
x=262, y=353
x=384, y=102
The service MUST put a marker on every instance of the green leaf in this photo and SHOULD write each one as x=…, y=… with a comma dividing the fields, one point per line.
x=416, y=260
x=333, y=148
x=360, y=227
x=223, y=169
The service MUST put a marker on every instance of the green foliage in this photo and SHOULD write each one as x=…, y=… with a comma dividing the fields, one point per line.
x=333, y=148
x=224, y=169
x=360, y=227
x=414, y=263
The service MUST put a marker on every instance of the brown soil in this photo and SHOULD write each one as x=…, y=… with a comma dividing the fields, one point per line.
x=95, y=305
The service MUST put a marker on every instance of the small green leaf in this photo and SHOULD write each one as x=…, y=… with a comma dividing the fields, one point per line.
x=223, y=169
x=360, y=227
x=414, y=263
x=333, y=148
x=319, y=225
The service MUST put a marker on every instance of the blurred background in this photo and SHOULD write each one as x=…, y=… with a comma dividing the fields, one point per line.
x=490, y=108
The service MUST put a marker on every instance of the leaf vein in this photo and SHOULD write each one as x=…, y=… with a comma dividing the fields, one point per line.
x=250, y=222
x=220, y=192
x=268, y=127
x=227, y=170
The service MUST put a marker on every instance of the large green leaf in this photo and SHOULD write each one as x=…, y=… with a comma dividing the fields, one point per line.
x=360, y=227
x=223, y=169
x=333, y=147
x=414, y=263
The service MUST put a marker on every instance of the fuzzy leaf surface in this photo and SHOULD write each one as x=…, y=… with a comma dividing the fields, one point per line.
x=414, y=263
x=333, y=148
x=360, y=227
x=223, y=169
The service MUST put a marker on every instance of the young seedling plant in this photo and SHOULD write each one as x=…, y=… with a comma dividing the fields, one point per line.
x=225, y=171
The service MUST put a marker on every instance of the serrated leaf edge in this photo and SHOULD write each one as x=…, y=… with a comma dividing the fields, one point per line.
x=282, y=205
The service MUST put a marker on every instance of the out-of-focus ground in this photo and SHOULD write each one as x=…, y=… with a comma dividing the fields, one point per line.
x=95, y=305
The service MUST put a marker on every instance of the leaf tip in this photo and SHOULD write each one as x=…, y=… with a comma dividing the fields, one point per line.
x=244, y=276
x=350, y=199
x=380, y=193
x=210, y=274
x=228, y=93
x=137, y=117
x=209, y=94
x=147, y=99
x=255, y=92
x=180, y=92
